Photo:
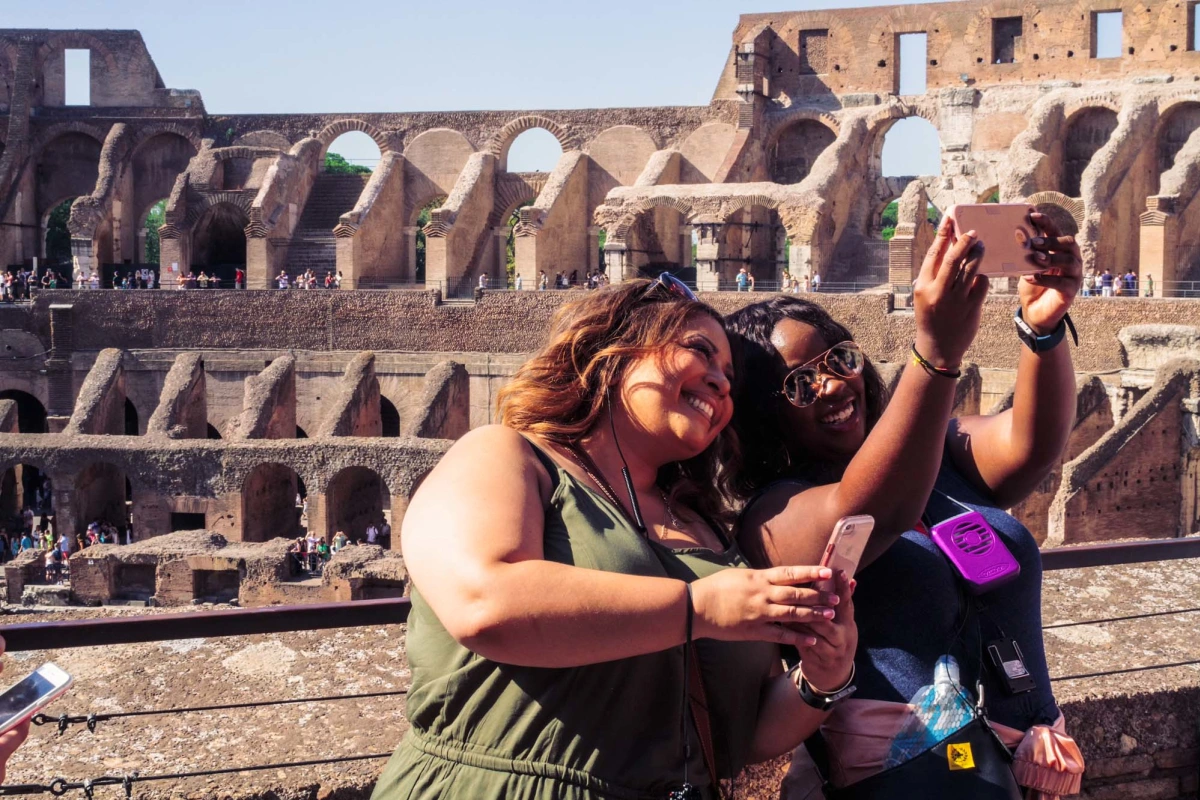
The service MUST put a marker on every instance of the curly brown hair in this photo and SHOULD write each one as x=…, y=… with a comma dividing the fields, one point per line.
x=560, y=393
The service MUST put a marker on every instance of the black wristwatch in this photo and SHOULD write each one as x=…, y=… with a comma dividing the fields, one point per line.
x=823, y=701
x=1041, y=344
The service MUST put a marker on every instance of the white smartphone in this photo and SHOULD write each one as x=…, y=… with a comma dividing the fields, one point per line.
x=846, y=546
x=33, y=693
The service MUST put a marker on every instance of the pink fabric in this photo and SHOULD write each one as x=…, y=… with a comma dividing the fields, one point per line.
x=860, y=732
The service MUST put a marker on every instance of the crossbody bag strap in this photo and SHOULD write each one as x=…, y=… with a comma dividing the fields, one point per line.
x=698, y=701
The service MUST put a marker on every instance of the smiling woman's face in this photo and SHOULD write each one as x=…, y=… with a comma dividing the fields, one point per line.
x=681, y=397
x=835, y=426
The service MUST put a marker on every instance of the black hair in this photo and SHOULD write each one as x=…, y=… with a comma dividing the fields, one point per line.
x=760, y=409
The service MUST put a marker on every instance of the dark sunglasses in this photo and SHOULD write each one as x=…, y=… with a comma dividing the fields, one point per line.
x=802, y=385
x=666, y=282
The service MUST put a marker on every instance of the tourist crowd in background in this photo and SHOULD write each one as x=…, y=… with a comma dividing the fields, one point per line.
x=305, y=280
x=310, y=553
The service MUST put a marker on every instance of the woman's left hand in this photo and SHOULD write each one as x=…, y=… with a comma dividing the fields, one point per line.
x=1046, y=295
x=827, y=663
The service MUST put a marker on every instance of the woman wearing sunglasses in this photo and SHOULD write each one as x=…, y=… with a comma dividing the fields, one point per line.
x=585, y=627
x=822, y=441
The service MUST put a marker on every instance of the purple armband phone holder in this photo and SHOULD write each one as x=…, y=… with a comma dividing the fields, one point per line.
x=976, y=551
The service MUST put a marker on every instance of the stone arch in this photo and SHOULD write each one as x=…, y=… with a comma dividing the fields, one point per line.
x=504, y=138
x=145, y=134
x=268, y=502
x=785, y=119
x=20, y=480
x=1060, y=208
x=621, y=229
x=52, y=132
x=1082, y=104
x=103, y=491
x=336, y=128
x=1176, y=122
x=354, y=498
x=794, y=148
x=752, y=235
x=219, y=236
x=1085, y=132
x=882, y=124
x=31, y=411
x=264, y=138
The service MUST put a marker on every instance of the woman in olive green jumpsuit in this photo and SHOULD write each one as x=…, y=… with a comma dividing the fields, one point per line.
x=551, y=558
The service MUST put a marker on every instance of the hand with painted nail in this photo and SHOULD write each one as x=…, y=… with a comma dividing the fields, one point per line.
x=826, y=661
x=948, y=296
x=1046, y=295
x=10, y=740
x=762, y=605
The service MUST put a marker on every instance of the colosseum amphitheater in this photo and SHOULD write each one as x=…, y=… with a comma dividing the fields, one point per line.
x=216, y=424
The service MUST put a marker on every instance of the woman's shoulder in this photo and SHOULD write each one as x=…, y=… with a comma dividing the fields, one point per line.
x=497, y=448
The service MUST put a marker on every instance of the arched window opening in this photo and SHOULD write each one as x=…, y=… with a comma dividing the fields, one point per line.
x=131, y=418
x=31, y=414
x=1176, y=129
x=796, y=150
x=300, y=433
x=422, y=220
x=357, y=499
x=352, y=153
x=535, y=150
x=103, y=494
x=911, y=148
x=24, y=487
x=755, y=240
x=154, y=218
x=889, y=218
x=219, y=243
x=57, y=238
x=212, y=432
x=510, y=252
x=390, y=417
x=660, y=241
x=1089, y=131
x=273, y=498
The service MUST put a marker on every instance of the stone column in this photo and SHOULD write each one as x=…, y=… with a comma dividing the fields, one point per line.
x=409, y=272
x=61, y=390
x=260, y=262
x=1158, y=245
x=685, y=245
x=500, y=246
x=174, y=256
x=593, y=248
x=83, y=257
x=708, y=268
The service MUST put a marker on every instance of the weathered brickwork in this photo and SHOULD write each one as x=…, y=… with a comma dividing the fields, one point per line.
x=782, y=169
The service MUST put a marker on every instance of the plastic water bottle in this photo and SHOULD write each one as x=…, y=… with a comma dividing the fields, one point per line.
x=938, y=711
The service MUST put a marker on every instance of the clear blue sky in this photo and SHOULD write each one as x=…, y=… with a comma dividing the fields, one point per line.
x=276, y=56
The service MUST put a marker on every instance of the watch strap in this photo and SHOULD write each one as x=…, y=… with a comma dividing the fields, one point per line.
x=1041, y=344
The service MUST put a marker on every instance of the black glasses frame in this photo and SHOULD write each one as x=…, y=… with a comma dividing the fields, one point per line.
x=820, y=365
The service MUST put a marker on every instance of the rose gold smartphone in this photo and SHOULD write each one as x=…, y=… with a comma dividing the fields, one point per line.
x=846, y=546
x=1005, y=230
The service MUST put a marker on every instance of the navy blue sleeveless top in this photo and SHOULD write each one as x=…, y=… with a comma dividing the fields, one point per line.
x=911, y=610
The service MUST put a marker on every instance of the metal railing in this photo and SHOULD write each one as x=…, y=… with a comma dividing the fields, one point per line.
x=282, y=619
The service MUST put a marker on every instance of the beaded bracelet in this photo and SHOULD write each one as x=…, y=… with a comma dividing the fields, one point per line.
x=922, y=362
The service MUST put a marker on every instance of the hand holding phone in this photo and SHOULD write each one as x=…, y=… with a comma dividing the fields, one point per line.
x=846, y=546
x=31, y=694
x=1005, y=231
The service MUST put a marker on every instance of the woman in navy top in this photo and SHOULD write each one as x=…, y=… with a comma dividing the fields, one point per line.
x=822, y=441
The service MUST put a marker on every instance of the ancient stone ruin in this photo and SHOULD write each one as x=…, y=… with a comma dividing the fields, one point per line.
x=781, y=170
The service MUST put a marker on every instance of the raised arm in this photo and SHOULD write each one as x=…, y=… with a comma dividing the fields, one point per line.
x=472, y=542
x=1008, y=454
x=892, y=473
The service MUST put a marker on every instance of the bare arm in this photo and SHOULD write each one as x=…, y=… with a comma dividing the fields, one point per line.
x=1007, y=455
x=480, y=566
x=893, y=472
x=784, y=720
